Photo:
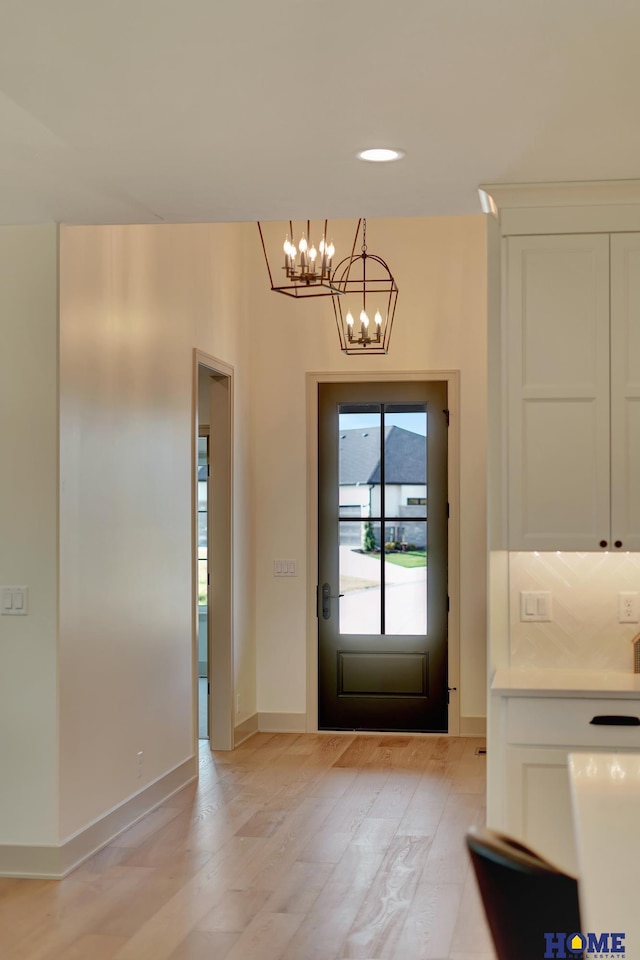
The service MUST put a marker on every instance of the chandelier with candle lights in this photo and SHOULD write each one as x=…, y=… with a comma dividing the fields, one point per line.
x=307, y=268
x=361, y=286
x=365, y=303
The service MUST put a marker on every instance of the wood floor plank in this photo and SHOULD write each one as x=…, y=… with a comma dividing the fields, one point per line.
x=447, y=860
x=287, y=844
x=96, y=946
x=324, y=930
x=471, y=934
x=430, y=923
x=266, y=937
x=205, y=945
x=291, y=847
x=395, y=796
x=235, y=911
x=358, y=752
x=161, y=935
x=378, y=925
x=299, y=888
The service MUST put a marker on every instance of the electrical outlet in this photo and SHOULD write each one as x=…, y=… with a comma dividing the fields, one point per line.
x=628, y=608
x=139, y=759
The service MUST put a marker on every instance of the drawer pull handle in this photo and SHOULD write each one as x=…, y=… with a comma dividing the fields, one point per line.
x=606, y=720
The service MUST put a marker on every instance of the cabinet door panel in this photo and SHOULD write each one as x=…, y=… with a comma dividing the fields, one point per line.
x=558, y=359
x=539, y=803
x=625, y=390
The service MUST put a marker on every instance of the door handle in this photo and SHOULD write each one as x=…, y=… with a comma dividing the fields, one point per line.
x=326, y=596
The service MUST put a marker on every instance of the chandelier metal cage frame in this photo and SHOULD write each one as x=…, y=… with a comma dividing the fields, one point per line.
x=361, y=276
x=308, y=271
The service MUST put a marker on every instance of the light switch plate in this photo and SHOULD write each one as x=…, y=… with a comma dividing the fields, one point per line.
x=14, y=601
x=535, y=606
x=285, y=568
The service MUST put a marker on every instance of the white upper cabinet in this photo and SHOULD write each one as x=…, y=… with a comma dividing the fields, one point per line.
x=625, y=390
x=573, y=358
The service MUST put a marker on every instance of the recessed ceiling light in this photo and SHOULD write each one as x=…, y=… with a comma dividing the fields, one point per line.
x=380, y=155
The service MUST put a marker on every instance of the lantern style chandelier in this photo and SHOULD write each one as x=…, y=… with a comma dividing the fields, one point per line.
x=307, y=268
x=365, y=304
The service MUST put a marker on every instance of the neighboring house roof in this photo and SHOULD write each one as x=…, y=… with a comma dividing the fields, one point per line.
x=405, y=455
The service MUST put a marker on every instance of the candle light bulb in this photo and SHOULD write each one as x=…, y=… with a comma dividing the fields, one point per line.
x=322, y=245
x=313, y=253
x=330, y=250
x=364, y=319
x=378, y=319
x=303, y=245
x=350, y=318
x=292, y=251
x=287, y=246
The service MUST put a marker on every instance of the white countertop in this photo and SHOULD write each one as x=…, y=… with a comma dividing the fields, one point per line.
x=566, y=683
x=605, y=795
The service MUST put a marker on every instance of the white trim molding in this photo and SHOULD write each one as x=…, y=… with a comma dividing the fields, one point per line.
x=599, y=206
x=473, y=726
x=221, y=591
x=282, y=722
x=55, y=862
x=242, y=731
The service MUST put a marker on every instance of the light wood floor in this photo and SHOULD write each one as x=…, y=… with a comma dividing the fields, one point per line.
x=300, y=847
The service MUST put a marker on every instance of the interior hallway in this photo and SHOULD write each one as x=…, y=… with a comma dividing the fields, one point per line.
x=300, y=847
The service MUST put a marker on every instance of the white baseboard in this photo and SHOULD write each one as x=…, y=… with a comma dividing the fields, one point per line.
x=55, y=862
x=282, y=722
x=245, y=730
x=297, y=723
x=473, y=726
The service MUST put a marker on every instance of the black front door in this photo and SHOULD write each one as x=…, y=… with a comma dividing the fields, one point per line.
x=382, y=533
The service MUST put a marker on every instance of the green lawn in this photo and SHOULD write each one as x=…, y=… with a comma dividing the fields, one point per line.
x=410, y=558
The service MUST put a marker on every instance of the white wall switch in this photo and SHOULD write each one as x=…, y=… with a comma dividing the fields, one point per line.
x=285, y=568
x=14, y=601
x=535, y=606
x=628, y=609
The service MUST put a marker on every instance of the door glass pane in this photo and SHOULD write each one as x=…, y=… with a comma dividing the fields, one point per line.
x=405, y=572
x=359, y=459
x=405, y=460
x=360, y=577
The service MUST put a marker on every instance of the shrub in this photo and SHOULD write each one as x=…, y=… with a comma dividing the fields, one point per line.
x=369, y=539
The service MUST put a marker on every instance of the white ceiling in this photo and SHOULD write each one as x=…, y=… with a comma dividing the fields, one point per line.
x=182, y=110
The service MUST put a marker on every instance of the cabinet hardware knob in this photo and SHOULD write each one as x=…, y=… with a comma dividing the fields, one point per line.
x=618, y=543
x=603, y=543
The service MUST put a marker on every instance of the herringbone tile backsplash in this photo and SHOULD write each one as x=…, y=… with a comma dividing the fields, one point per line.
x=584, y=633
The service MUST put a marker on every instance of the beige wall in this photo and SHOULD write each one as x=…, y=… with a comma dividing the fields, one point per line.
x=28, y=532
x=440, y=268
x=135, y=301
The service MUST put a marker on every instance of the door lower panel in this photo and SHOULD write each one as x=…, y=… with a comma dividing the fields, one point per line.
x=382, y=674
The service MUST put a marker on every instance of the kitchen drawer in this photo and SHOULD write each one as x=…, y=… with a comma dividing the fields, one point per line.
x=566, y=722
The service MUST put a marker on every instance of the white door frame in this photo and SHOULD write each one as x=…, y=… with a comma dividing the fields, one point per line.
x=452, y=378
x=220, y=551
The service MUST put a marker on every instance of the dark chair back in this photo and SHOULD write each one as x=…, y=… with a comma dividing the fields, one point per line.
x=525, y=898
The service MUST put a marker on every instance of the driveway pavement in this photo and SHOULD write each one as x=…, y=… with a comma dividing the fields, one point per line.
x=406, y=596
